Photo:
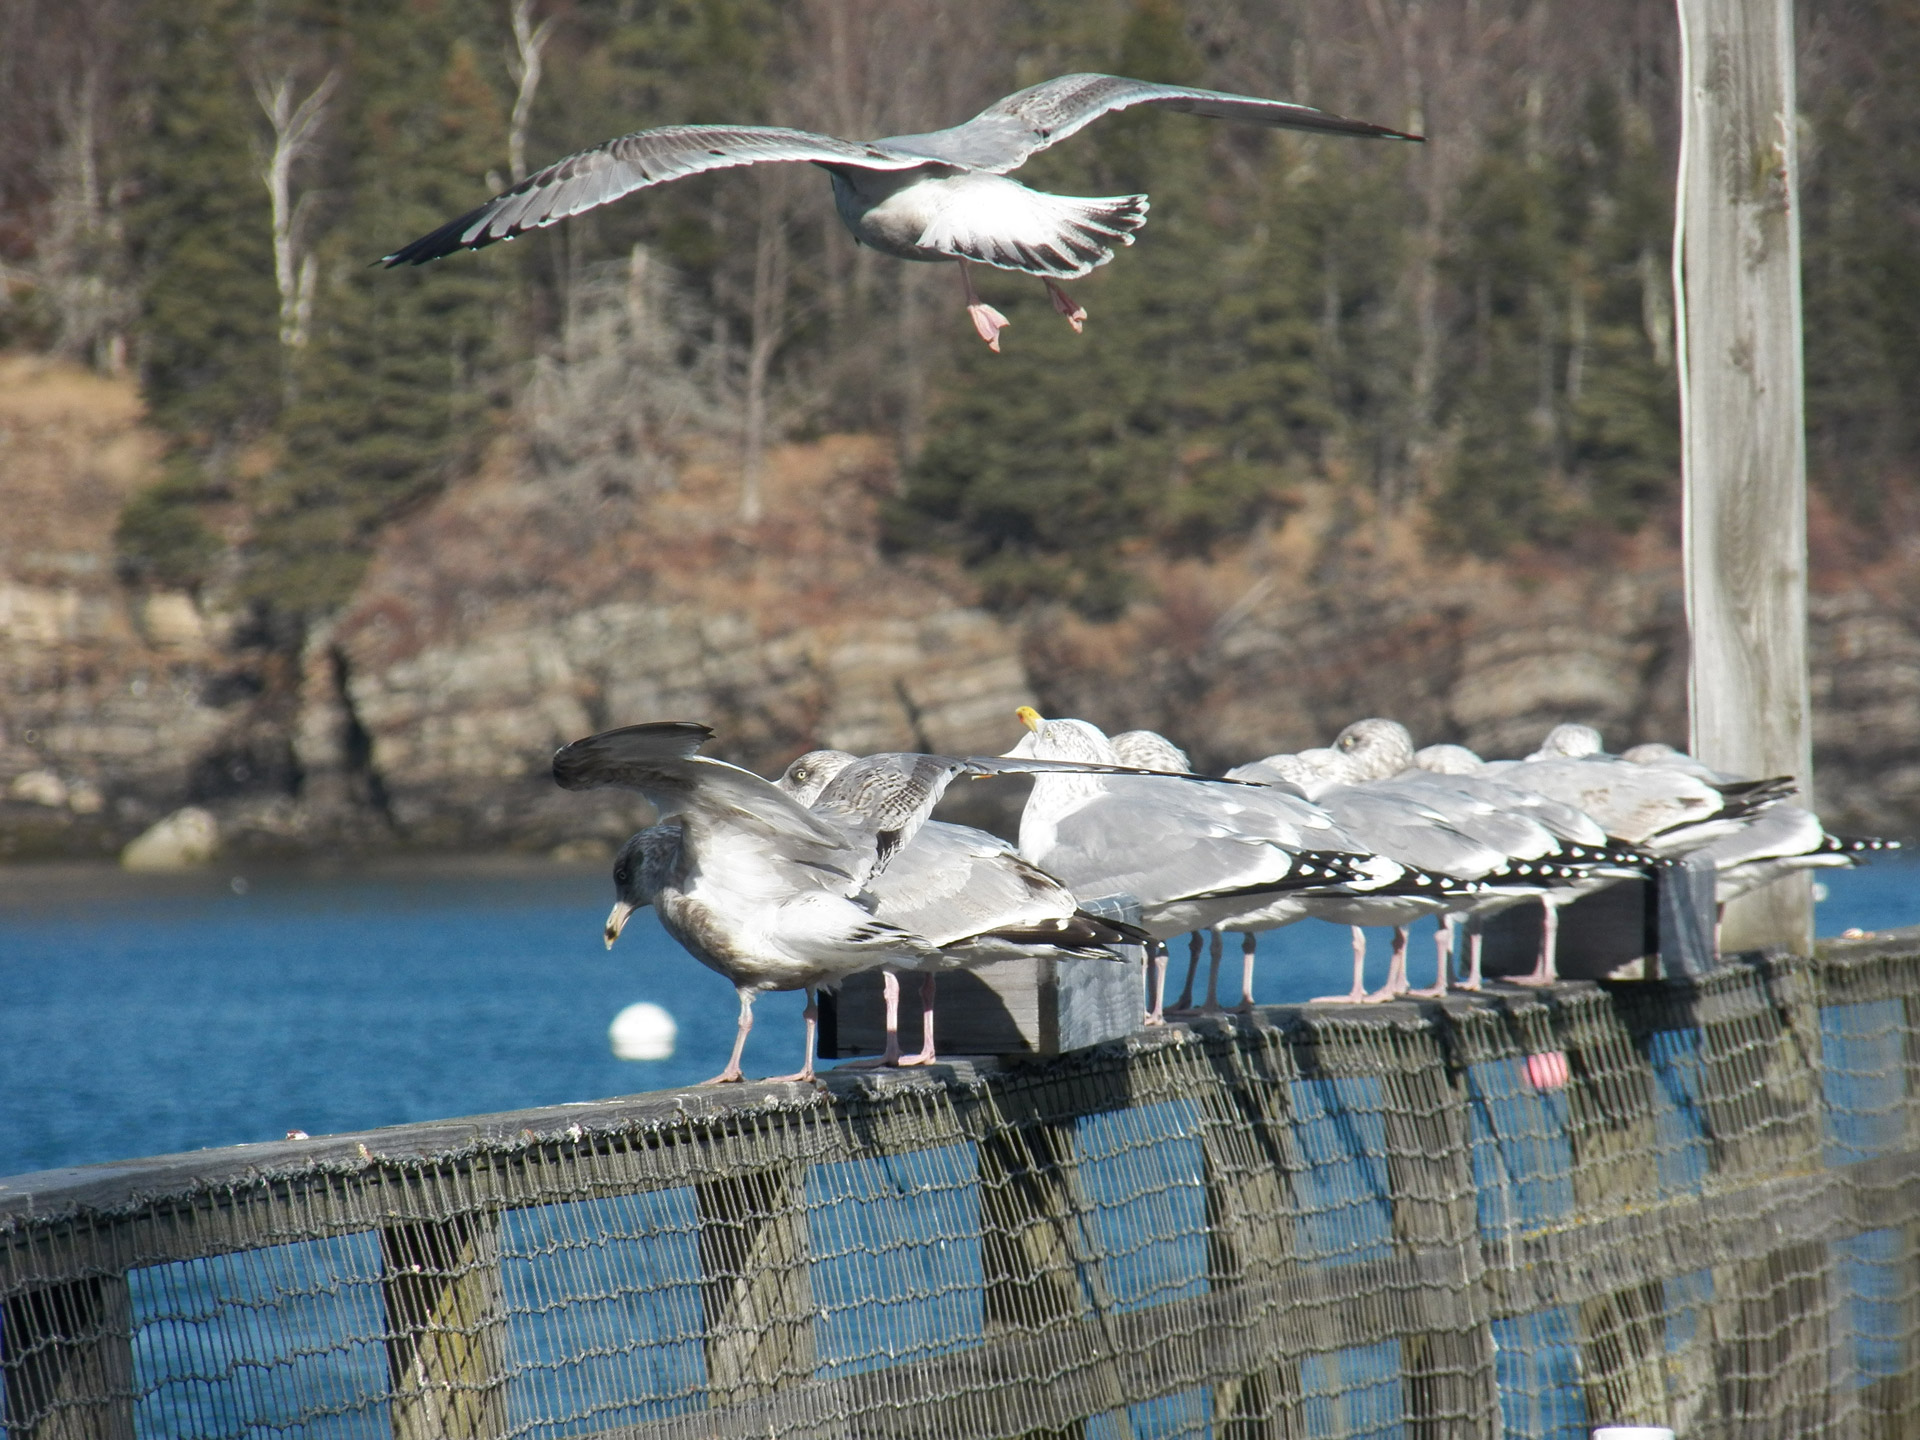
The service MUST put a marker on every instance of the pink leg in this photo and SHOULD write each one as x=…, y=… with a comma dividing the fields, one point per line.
x=1396, y=985
x=925, y=1057
x=1212, y=1006
x=1359, y=990
x=1185, y=1002
x=731, y=1075
x=1247, y=947
x=890, y=1053
x=1157, y=982
x=1067, y=306
x=812, y=1014
x=1443, y=952
x=1545, y=971
x=987, y=321
x=1472, y=982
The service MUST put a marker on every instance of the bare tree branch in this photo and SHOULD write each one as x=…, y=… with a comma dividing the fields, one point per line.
x=296, y=128
x=530, y=41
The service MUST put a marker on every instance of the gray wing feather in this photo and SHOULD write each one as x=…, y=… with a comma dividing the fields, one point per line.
x=1409, y=832
x=658, y=760
x=1140, y=845
x=953, y=882
x=633, y=162
x=1001, y=137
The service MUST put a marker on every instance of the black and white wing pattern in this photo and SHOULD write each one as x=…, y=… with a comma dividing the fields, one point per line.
x=1002, y=137
x=633, y=162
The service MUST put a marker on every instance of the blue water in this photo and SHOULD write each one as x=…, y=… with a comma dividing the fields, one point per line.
x=141, y=1015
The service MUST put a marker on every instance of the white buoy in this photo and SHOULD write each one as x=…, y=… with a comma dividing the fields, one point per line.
x=643, y=1032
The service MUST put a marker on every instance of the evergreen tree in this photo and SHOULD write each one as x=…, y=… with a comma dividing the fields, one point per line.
x=394, y=388
x=209, y=348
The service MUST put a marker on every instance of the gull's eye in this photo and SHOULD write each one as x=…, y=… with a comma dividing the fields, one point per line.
x=801, y=775
x=622, y=876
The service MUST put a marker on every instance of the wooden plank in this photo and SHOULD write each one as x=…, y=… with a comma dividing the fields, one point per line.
x=1737, y=263
x=1011, y=1007
x=66, y=1361
x=446, y=1325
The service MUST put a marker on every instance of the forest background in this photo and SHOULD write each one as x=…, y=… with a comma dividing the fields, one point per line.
x=341, y=552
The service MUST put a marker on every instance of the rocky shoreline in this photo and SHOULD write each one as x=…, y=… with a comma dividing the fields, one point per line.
x=512, y=615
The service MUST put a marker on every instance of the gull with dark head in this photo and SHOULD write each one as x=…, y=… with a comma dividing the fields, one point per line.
x=768, y=892
x=944, y=195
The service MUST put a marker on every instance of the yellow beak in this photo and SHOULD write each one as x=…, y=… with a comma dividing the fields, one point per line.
x=617, y=920
x=1031, y=718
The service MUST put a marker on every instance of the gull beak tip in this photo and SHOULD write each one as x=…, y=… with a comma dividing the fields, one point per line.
x=1030, y=717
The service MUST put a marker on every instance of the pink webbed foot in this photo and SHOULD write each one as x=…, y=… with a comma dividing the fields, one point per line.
x=1076, y=314
x=988, y=323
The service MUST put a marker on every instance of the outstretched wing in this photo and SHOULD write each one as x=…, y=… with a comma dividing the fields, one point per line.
x=1002, y=136
x=633, y=162
x=658, y=760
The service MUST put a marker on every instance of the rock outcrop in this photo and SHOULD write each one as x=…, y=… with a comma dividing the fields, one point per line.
x=522, y=609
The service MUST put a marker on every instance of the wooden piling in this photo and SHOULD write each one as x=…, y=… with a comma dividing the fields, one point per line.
x=1737, y=288
x=756, y=1283
x=67, y=1361
x=445, y=1313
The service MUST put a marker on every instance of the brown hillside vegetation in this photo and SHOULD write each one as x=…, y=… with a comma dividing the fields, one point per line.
x=520, y=610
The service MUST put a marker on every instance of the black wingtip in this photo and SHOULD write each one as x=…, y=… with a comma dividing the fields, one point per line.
x=601, y=759
x=437, y=244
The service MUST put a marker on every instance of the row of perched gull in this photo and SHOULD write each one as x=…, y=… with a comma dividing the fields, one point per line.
x=837, y=866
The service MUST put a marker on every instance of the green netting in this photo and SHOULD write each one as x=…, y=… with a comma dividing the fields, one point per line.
x=1309, y=1222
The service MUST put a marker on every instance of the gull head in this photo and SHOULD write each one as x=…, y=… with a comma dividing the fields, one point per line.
x=1448, y=760
x=1375, y=748
x=1570, y=742
x=806, y=777
x=1060, y=740
x=644, y=864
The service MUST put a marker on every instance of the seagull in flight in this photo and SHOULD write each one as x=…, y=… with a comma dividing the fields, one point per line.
x=944, y=195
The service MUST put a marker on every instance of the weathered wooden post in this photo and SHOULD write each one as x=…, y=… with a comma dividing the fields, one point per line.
x=445, y=1315
x=1737, y=293
x=756, y=1283
x=66, y=1361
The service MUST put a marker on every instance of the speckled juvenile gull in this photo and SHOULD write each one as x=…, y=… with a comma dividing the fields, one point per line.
x=966, y=891
x=1777, y=841
x=943, y=195
x=753, y=884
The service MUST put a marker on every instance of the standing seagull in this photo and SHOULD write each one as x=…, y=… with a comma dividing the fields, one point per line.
x=943, y=195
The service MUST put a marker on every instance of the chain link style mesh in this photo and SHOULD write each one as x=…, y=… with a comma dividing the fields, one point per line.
x=1406, y=1222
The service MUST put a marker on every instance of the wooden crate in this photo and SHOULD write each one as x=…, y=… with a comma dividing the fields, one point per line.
x=1012, y=1007
x=1633, y=930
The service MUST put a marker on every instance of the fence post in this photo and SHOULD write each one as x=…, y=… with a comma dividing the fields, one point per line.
x=445, y=1314
x=756, y=1285
x=1737, y=284
x=66, y=1357
x=1760, y=1049
x=1447, y=1366
x=1032, y=1256
x=1614, y=1137
x=1247, y=1144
